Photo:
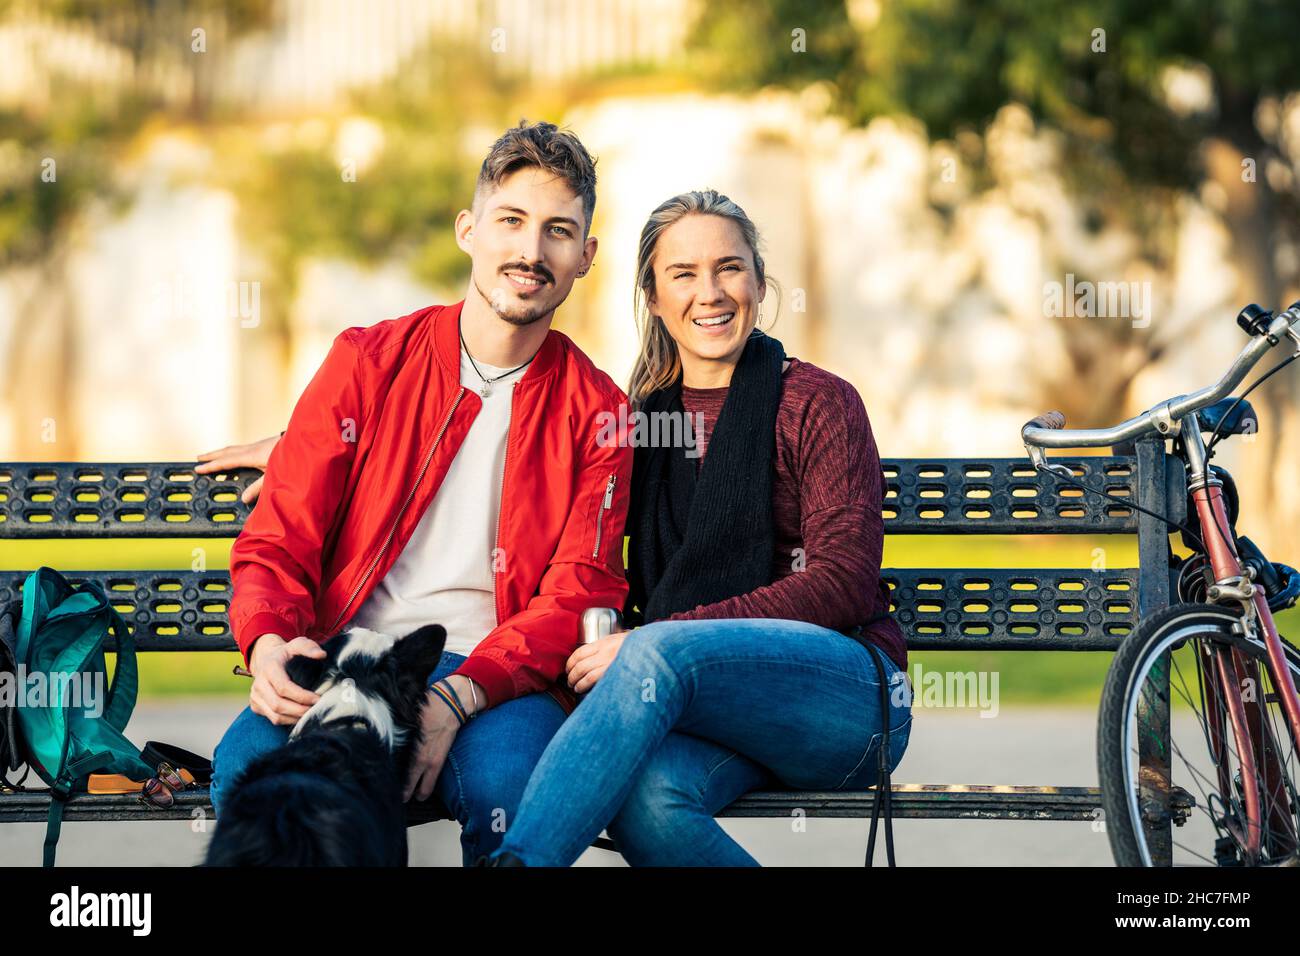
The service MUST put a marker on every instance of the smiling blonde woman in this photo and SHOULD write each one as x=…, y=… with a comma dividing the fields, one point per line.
x=755, y=547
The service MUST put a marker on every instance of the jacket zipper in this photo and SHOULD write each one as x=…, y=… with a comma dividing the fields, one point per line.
x=374, y=563
x=605, y=506
x=501, y=499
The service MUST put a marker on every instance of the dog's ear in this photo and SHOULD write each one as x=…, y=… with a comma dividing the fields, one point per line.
x=306, y=671
x=419, y=651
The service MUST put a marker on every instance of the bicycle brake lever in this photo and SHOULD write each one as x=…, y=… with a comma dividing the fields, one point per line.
x=1061, y=471
x=1038, y=458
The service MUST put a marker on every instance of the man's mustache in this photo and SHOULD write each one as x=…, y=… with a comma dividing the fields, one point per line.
x=537, y=272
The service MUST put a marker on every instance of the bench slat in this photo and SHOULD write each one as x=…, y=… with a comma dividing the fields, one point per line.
x=933, y=801
x=938, y=609
x=925, y=496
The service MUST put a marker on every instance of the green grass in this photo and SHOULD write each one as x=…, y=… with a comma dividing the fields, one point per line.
x=1048, y=677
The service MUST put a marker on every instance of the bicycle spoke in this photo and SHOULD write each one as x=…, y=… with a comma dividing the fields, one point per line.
x=1282, y=798
x=1203, y=724
x=1194, y=773
x=1191, y=664
x=1196, y=776
x=1195, y=854
x=1210, y=772
x=1274, y=797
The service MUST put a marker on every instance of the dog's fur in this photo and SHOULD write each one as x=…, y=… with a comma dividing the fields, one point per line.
x=332, y=795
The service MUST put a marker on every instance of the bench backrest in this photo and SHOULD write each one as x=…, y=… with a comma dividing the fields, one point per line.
x=939, y=608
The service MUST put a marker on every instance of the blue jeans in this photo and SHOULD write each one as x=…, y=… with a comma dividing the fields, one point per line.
x=692, y=715
x=481, y=783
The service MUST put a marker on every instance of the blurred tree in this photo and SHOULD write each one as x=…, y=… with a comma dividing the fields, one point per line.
x=89, y=127
x=167, y=39
x=58, y=154
x=1099, y=74
x=294, y=200
x=49, y=166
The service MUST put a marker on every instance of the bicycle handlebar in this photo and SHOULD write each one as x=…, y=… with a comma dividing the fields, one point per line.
x=1048, y=430
x=1049, y=420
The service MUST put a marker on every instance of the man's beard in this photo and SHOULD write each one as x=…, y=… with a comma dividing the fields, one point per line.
x=525, y=314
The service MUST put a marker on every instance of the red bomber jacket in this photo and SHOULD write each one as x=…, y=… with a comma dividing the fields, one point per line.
x=368, y=444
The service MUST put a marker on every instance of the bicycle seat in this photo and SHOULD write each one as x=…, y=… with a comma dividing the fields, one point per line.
x=1242, y=421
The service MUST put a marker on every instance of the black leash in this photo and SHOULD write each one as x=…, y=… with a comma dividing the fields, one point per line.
x=884, y=789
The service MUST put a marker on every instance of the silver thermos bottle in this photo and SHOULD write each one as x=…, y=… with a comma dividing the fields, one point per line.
x=598, y=622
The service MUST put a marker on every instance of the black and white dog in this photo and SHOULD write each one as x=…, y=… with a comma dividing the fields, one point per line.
x=332, y=795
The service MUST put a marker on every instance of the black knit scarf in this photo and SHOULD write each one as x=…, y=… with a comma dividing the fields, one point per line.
x=697, y=539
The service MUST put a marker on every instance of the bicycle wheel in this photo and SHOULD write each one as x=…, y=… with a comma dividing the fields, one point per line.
x=1207, y=791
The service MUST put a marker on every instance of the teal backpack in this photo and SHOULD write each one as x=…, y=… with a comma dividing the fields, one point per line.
x=61, y=635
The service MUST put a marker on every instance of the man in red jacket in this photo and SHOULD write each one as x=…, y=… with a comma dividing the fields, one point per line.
x=448, y=467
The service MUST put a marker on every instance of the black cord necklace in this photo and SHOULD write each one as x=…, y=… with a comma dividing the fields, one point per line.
x=486, y=390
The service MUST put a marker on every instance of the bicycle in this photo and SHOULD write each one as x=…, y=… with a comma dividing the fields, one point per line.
x=1212, y=664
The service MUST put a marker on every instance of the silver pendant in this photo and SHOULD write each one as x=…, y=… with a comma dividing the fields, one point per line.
x=485, y=390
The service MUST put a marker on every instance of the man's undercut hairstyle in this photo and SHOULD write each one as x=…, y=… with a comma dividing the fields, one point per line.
x=547, y=147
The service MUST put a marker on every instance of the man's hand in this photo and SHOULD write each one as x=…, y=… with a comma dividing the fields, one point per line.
x=253, y=455
x=439, y=726
x=274, y=695
x=587, y=664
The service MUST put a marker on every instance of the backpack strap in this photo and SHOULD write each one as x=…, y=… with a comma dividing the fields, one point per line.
x=884, y=787
x=125, y=686
x=9, y=748
x=77, y=769
x=34, y=597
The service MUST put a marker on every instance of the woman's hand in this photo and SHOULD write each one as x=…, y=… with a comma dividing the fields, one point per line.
x=587, y=664
x=253, y=455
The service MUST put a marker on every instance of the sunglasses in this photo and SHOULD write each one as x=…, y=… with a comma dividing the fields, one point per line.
x=159, y=792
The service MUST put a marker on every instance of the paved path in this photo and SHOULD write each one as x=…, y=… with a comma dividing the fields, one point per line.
x=1023, y=746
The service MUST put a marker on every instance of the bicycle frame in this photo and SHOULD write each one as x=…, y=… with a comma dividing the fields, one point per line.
x=1229, y=669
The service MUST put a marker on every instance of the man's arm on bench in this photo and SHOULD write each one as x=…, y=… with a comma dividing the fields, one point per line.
x=275, y=563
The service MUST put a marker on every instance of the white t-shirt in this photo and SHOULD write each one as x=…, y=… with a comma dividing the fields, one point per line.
x=444, y=574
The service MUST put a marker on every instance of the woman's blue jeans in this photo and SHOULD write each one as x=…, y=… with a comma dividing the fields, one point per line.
x=481, y=783
x=692, y=715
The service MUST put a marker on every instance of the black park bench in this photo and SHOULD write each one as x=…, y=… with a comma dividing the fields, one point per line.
x=1070, y=609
